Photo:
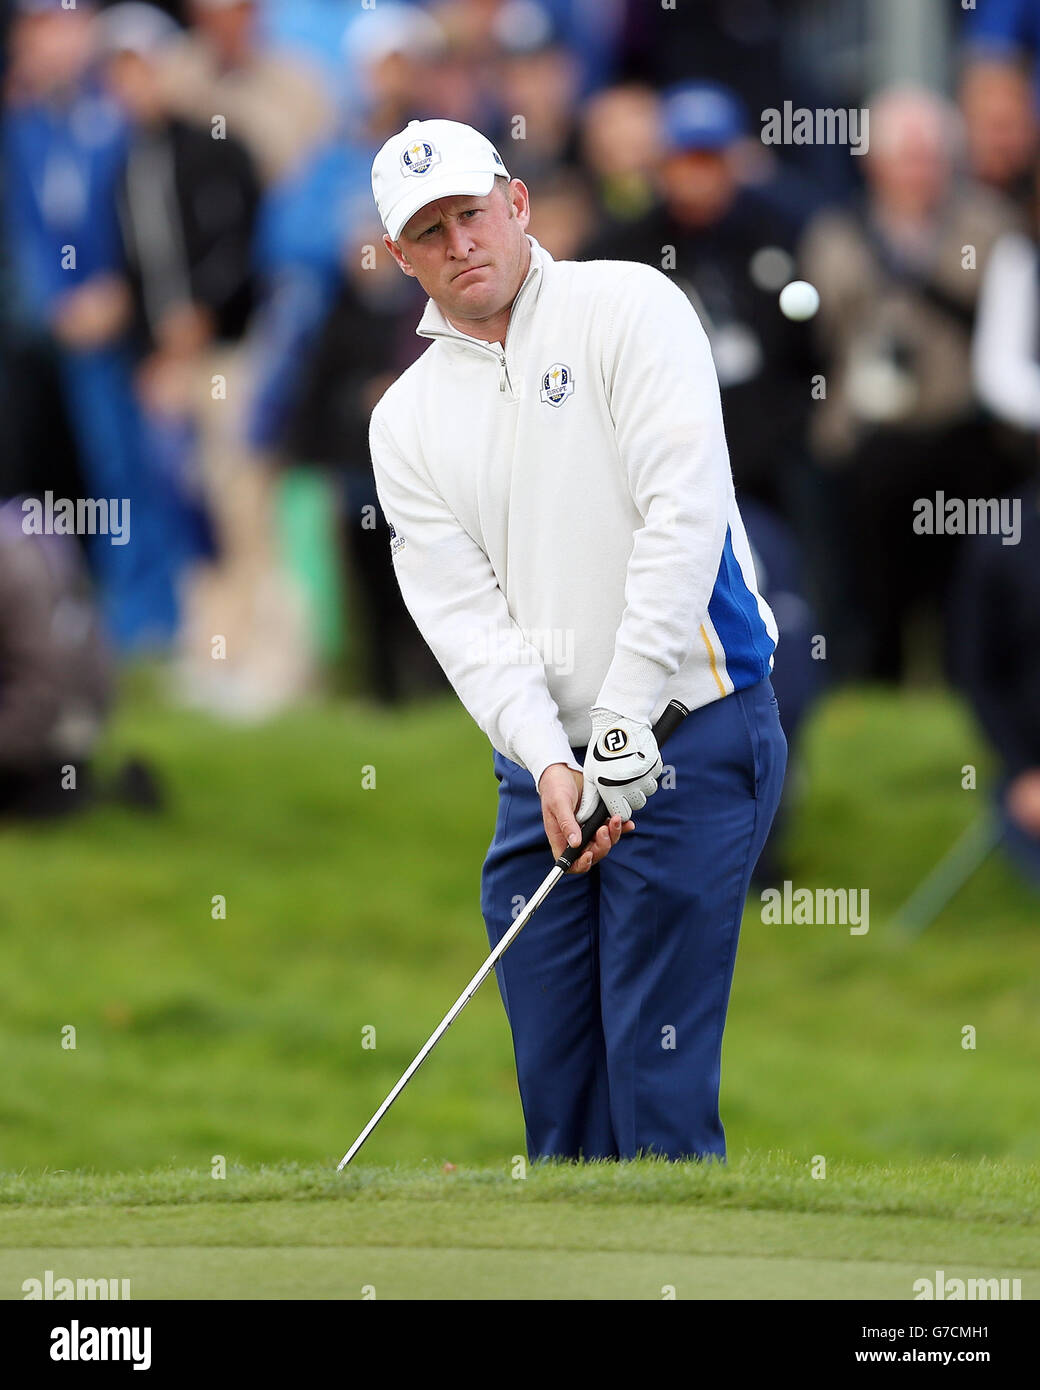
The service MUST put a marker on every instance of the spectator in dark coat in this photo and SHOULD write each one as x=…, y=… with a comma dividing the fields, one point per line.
x=188, y=203
x=366, y=341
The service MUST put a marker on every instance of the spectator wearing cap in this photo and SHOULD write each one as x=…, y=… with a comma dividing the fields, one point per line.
x=761, y=52
x=393, y=56
x=1005, y=31
x=730, y=251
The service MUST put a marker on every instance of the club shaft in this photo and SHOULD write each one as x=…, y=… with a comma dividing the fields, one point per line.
x=460, y=1003
x=675, y=712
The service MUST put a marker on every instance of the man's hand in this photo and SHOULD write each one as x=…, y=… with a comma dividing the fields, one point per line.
x=560, y=787
x=622, y=764
x=166, y=384
x=93, y=314
x=185, y=329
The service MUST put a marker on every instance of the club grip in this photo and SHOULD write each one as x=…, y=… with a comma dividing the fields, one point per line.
x=673, y=715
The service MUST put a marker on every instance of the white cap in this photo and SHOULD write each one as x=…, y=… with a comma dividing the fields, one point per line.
x=430, y=160
x=133, y=28
x=392, y=28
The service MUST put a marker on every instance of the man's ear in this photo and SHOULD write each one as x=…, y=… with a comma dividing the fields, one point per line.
x=395, y=250
x=519, y=201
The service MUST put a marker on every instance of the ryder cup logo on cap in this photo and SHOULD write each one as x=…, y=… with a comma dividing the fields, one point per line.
x=430, y=160
x=419, y=158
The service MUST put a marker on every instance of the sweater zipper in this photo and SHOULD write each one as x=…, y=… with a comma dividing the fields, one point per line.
x=497, y=348
x=494, y=348
x=503, y=372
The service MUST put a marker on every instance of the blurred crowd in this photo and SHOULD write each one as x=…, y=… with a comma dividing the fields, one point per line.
x=197, y=315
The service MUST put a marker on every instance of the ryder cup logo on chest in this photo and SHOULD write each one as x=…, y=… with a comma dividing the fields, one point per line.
x=557, y=384
x=419, y=157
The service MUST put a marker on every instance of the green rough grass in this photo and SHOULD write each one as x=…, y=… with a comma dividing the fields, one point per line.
x=759, y=1227
x=349, y=908
x=1002, y=1191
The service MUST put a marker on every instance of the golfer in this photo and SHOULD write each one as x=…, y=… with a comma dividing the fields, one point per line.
x=565, y=534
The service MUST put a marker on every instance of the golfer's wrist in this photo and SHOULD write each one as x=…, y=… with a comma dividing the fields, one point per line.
x=632, y=686
x=563, y=769
x=537, y=747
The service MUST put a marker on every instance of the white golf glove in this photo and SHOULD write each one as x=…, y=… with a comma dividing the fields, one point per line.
x=622, y=764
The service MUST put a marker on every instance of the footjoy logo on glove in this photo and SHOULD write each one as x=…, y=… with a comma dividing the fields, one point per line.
x=614, y=740
x=557, y=384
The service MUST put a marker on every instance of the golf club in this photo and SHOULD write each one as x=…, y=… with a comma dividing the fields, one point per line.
x=669, y=721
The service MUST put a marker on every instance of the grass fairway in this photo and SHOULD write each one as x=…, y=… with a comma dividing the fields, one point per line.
x=350, y=897
x=760, y=1228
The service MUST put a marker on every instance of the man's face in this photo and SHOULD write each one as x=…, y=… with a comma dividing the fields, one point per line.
x=228, y=27
x=50, y=50
x=997, y=102
x=698, y=185
x=132, y=81
x=469, y=254
x=909, y=164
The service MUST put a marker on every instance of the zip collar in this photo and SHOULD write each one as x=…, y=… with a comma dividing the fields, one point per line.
x=433, y=324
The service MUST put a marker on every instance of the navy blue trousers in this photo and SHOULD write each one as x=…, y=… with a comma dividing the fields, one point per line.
x=616, y=991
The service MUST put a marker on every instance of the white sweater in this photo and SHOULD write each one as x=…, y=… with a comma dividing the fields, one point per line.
x=563, y=524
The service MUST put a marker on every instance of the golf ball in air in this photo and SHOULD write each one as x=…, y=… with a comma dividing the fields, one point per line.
x=799, y=300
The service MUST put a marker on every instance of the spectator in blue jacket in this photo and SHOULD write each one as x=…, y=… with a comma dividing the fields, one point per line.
x=64, y=147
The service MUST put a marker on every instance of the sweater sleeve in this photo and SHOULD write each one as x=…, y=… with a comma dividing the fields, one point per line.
x=664, y=400
x=449, y=587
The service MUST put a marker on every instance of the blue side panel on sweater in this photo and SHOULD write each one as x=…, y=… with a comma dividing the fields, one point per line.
x=733, y=610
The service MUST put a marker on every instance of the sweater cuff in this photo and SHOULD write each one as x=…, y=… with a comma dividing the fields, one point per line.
x=632, y=686
x=537, y=745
